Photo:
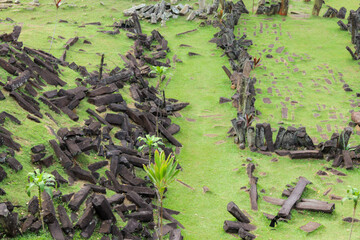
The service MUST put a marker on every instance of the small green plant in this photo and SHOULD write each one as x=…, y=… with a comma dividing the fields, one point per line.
x=161, y=173
x=221, y=15
x=350, y=148
x=152, y=142
x=353, y=194
x=249, y=118
x=44, y=182
x=347, y=147
x=159, y=70
x=257, y=61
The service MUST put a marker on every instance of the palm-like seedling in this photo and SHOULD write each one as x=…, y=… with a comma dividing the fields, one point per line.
x=152, y=142
x=161, y=173
x=353, y=194
x=159, y=70
x=44, y=182
x=249, y=118
x=221, y=15
x=256, y=61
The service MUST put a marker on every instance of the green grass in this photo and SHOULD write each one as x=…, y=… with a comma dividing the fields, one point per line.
x=201, y=81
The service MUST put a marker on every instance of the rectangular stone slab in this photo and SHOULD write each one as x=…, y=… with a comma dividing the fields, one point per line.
x=64, y=160
x=18, y=81
x=310, y=227
x=14, y=164
x=233, y=227
x=66, y=224
x=78, y=198
x=234, y=210
x=106, y=99
x=25, y=105
x=294, y=197
x=303, y=154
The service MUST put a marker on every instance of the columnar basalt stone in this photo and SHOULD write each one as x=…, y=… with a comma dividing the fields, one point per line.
x=86, y=217
x=243, y=234
x=269, y=10
x=8, y=221
x=305, y=204
x=293, y=198
x=234, y=226
x=342, y=25
x=9, y=67
x=303, y=154
x=344, y=138
x=253, y=186
x=289, y=141
x=304, y=139
x=240, y=129
x=78, y=198
x=338, y=160
x=330, y=13
x=248, y=107
x=342, y=13
x=103, y=208
x=251, y=137
x=317, y=7
x=66, y=224
x=260, y=135
x=268, y=137
x=48, y=209
x=28, y=106
x=353, y=55
x=353, y=20
x=234, y=210
x=348, y=163
x=330, y=145
x=284, y=7
x=279, y=137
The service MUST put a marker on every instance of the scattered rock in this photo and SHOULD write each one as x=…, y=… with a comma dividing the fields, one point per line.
x=350, y=219
x=310, y=227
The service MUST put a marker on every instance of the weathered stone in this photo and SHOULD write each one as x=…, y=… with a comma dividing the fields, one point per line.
x=355, y=117
x=289, y=141
x=304, y=139
x=344, y=138
x=260, y=135
x=251, y=137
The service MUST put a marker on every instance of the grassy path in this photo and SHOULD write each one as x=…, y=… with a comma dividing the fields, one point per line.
x=201, y=81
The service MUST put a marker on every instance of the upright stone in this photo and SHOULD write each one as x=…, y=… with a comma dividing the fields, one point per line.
x=259, y=137
x=240, y=129
x=342, y=13
x=279, y=137
x=289, y=141
x=251, y=137
x=284, y=7
x=317, y=7
x=304, y=139
x=344, y=138
x=268, y=137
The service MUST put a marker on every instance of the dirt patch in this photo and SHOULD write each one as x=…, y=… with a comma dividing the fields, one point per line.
x=190, y=120
x=209, y=116
x=299, y=16
x=211, y=135
x=220, y=142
